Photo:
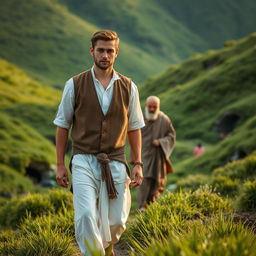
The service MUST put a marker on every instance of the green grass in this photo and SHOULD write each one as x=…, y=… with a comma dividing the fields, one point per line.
x=31, y=206
x=13, y=183
x=197, y=98
x=52, y=43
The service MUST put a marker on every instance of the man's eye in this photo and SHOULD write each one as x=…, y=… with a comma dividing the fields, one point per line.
x=110, y=51
x=101, y=50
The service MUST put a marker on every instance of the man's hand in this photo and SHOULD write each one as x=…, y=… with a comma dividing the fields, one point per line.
x=156, y=143
x=137, y=176
x=62, y=176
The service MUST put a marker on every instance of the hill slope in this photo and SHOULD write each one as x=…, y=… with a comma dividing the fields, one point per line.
x=210, y=94
x=27, y=109
x=49, y=39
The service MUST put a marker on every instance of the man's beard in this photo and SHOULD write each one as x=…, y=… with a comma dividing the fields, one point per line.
x=151, y=116
x=99, y=65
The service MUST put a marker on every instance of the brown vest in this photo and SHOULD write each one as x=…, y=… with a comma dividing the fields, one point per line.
x=92, y=131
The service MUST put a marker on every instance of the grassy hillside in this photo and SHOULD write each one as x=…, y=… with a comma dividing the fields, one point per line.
x=214, y=21
x=49, y=39
x=199, y=93
x=27, y=109
x=51, y=43
x=30, y=101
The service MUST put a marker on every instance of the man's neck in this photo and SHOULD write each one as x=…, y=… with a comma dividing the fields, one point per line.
x=104, y=76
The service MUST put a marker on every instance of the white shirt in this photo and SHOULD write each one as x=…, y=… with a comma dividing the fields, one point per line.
x=64, y=119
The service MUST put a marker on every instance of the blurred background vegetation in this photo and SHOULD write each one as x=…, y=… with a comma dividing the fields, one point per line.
x=199, y=57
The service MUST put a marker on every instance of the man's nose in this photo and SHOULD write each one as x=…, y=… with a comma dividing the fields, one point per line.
x=104, y=54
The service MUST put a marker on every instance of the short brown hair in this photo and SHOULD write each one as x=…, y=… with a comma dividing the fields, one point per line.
x=105, y=35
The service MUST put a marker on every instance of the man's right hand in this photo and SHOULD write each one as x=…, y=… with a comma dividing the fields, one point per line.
x=62, y=176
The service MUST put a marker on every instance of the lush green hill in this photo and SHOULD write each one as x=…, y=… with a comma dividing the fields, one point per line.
x=49, y=39
x=26, y=112
x=200, y=95
x=51, y=43
x=26, y=99
x=214, y=21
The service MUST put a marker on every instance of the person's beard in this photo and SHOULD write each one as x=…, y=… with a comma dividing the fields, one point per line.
x=151, y=116
x=101, y=66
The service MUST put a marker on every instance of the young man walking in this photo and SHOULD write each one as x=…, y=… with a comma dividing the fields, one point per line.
x=100, y=107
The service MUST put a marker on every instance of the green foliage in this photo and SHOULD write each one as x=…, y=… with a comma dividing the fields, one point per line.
x=192, y=182
x=63, y=221
x=32, y=205
x=13, y=183
x=201, y=91
x=20, y=145
x=172, y=212
x=227, y=180
x=225, y=185
x=242, y=170
x=247, y=197
x=219, y=236
x=44, y=242
x=54, y=46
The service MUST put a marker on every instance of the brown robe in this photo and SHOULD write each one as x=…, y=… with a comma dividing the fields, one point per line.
x=156, y=159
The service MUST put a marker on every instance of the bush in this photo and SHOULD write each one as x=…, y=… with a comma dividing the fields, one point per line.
x=247, y=199
x=44, y=242
x=225, y=185
x=207, y=202
x=219, y=236
x=18, y=209
x=62, y=221
x=192, y=182
x=242, y=169
x=13, y=183
x=33, y=205
x=171, y=213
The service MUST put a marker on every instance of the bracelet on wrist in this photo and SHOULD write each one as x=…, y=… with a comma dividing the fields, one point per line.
x=138, y=163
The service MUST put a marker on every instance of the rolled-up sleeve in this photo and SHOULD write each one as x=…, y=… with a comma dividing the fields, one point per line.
x=65, y=111
x=136, y=120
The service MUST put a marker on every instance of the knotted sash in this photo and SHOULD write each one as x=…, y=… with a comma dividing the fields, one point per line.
x=106, y=175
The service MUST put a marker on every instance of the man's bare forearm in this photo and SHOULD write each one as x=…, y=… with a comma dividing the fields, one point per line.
x=135, y=145
x=61, y=144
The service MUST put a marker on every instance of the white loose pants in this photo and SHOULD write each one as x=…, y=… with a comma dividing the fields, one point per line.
x=99, y=221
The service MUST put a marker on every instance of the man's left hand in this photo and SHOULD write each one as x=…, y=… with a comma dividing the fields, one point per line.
x=137, y=176
x=156, y=143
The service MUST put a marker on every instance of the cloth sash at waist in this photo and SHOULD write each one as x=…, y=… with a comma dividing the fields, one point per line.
x=106, y=175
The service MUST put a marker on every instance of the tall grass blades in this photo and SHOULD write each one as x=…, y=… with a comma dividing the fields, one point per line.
x=33, y=205
x=211, y=237
x=170, y=215
x=247, y=198
x=43, y=242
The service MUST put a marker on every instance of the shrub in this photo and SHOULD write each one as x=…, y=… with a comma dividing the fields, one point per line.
x=44, y=242
x=17, y=209
x=62, y=221
x=12, y=182
x=219, y=236
x=171, y=213
x=247, y=199
x=207, y=202
x=33, y=205
x=225, y=185
x=60, y=199
x=242, y=169
x=192, y=182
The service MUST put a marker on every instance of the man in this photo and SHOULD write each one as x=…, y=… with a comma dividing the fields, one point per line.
x=101, y=106
x=158, y=139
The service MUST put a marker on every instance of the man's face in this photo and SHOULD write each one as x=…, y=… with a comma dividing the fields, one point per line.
x=152, y=107
x=104, y=53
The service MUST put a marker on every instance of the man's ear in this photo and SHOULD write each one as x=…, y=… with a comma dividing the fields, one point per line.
x=91, y=50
